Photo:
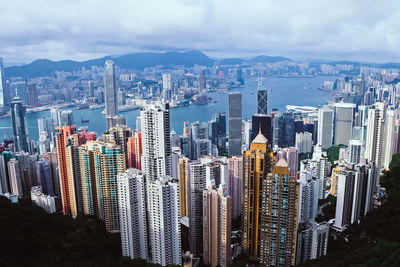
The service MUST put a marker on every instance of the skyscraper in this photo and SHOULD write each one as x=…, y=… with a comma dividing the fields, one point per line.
x=389, y=139
x=216, y=227
x=356, y=151
x=256, y=165
x=278, y=217
x=375, y=134
x=235, y=168
x=32, y=94
x=134, y=151
x=62, y=134
x=91, y=89
x=312, y=241
x=344, y=118
x=132, y=214
x=110, y=162
x=284, y=132
x=235, y=124
x=202, y=82
x=164, y=225
x=66, y=118
x=197, y=184
x=325, y=127
x=155, y=140
x=19, y=127
x=167, y=86
x=263, y=121
x=262, y=101
x=304, y=142
x=110, y=91
x=3, y=98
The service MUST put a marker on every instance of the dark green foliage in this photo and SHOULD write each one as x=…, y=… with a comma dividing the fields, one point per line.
x=328, y=209
x=333, y=153
x=376, y=240
x=31, y=237
x=303, y=156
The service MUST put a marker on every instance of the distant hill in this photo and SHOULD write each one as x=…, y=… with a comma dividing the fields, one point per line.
x=269, y=59
x=45, y=67
x=231, y=61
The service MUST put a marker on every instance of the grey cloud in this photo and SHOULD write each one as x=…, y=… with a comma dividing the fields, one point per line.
x=361, y=30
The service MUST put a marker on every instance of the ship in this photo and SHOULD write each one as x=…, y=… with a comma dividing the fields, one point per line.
x=84, y=121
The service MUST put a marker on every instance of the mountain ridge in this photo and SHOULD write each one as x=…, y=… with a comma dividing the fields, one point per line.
x=46, y=67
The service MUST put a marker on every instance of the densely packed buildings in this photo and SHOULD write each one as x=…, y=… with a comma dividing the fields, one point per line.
x=167, y=194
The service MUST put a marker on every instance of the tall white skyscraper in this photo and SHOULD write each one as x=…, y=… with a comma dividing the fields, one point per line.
x=3, y=100
x=132, y=214
x=389, y=139
x=325, y=127
x=156, y=142
x=164, y=225
x=110, y=92
x=344, y=118
x=375, y=133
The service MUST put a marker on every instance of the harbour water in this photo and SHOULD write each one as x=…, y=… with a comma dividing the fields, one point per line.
x=282, y=92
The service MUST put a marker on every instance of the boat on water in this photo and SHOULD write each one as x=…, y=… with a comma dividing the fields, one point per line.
x=96, y=106
x=84, y=121
x=82, y=106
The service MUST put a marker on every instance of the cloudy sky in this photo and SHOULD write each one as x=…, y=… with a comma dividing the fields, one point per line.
x=70, y=29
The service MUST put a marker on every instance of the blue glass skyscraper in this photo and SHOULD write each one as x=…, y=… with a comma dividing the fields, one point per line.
x=20, y=130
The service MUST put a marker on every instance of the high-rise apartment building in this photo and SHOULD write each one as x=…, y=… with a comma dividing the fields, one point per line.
x=344, y=119
x=163, y=221
x=235, y=124
x=356, y=151
x=132, y=214
x=183, y=176
x=312, y=241
x=19, y=126
x=216, y=227
x=325, y=127
x=278, y=217
x=197, y=184
x=62, y=134
x=109, y=162
x=155, y=140
x=375, y=134
x=389, y=139
x=355, y=189
x=308, y=196
x=110, y=92
x=256, y=165
x=235, y=168
x=134, y=151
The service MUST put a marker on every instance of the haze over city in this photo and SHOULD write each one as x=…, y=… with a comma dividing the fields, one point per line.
x=302, y=30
